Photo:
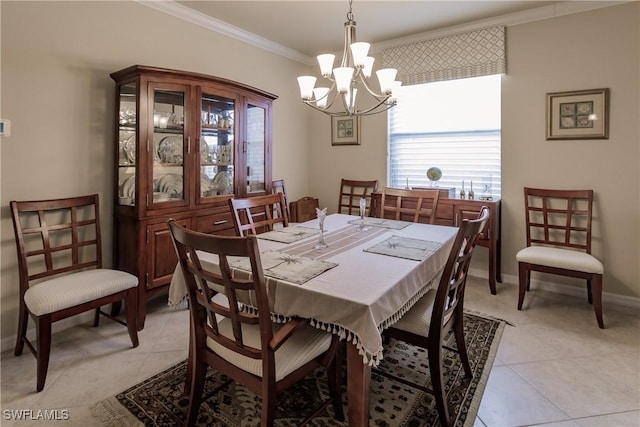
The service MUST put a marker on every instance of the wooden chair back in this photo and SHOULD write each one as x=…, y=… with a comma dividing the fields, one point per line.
x=448, y=304
x=560, y=218
x=54, y=237
x=202, y=282
x=351, y=191
x=409, y=205
x=255, y=215
x=277, y=186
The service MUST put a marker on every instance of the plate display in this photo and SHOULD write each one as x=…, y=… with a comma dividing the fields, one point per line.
x=222, y=182
x=171, y=184
x=129, y=187
x=205, y=152
x=129, y=147
x=170, y=149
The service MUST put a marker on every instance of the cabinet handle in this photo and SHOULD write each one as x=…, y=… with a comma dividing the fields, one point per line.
x=189, y=144
x=220, y=222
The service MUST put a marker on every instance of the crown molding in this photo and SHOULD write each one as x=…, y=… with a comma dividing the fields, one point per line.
x=179, y=11
x=538, y=14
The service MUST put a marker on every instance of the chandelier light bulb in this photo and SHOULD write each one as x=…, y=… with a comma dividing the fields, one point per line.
x=359, y=50
x=343, y=76
x=321, y=94
x=386, y=77
x=368, y=66
x=306, y=84
x=325, y=61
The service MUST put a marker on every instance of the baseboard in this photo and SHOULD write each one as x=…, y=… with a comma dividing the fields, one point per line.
x=559, y=288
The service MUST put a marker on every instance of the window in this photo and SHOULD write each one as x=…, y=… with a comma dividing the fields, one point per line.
x=453, y=125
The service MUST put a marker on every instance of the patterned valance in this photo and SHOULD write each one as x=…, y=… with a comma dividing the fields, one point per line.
x=472, y=54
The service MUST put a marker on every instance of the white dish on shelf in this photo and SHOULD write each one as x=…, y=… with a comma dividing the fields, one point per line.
x=205, y=183
x=170, y=149
x=129, y=187
x=129, y=147
x=222, y=183
x=171, y=184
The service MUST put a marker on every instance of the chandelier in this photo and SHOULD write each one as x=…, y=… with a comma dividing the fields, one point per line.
x=354, y=72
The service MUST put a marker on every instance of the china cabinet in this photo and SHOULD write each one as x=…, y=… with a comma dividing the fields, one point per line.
x=184, y=144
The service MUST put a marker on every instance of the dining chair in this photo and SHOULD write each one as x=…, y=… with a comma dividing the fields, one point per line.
x=277, y=186
x=244, y=344
x=440, y=311
x=409, y=205
x=61, y=275
x=351, y=191
x=255, y=215
x=558, y=226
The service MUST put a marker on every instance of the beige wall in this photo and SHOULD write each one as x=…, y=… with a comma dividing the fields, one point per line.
x=56, y=90
x=583, y=51
x=57, y=56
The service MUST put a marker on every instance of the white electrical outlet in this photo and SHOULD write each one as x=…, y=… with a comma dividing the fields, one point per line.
x=5, y=127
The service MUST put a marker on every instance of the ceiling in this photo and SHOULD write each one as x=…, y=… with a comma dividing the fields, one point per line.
x=313, y=27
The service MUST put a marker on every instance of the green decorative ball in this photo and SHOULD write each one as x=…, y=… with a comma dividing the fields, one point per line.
x=434, y=174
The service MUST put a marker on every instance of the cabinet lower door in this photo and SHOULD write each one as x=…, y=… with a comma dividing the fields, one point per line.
x=161, y=255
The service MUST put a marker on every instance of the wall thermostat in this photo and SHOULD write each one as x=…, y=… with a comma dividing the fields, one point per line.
x=5, y=127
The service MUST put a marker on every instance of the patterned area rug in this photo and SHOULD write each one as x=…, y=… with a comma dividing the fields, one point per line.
x=158, y=401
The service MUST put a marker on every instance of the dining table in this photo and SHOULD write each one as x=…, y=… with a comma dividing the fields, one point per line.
x=370, y=273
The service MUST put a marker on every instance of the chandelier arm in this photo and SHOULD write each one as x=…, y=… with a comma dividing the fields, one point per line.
x=375, y=109
x=373, y=93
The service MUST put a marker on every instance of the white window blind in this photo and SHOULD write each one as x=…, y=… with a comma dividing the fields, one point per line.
x=453, y=125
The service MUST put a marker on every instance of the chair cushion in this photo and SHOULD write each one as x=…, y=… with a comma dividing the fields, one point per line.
x=418, y=319
x=560, y=258
x=305, y=344
x=76, y=288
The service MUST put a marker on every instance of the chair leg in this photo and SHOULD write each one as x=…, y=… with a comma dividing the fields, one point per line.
x=198, y=376
x=23, y=320
x=334, y=372
x=131, y=303
x=589, y=294
x=434, y=352
x=458, y=331
x=43, y=337
x=523, y=276
x=596, y=283
x=268, y=404
x=96, y=318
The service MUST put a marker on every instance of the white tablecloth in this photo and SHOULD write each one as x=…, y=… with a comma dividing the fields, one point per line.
x=365, y=293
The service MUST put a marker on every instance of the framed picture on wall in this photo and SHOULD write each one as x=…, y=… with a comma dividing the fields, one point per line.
x=582, y=114
x=345, y=130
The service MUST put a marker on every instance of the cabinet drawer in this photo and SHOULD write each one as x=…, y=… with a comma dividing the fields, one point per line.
x=214, y=224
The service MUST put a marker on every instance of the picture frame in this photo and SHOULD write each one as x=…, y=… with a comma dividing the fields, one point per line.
x=582, y=114
x=345, y=130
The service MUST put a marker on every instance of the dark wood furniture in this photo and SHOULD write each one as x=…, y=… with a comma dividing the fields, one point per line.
x=184, y=144
x=246, y=346
x=351, y=191
x=428, y=323
x=258, y=214
x=452, y=211
x=60, y=252
x=409, y=205
x=558, y=224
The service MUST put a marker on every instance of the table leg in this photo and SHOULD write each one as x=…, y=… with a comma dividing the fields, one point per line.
x=358, y=380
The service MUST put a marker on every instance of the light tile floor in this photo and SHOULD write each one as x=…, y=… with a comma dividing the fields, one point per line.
x=554, y=366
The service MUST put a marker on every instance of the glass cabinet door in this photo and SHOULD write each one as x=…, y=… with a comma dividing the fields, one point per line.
x=217, y=145
x=127, y=144
x=166, y=149
x=256, y=138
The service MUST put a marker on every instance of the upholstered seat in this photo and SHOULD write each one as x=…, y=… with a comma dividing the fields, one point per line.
x=560, y=258
x=75, y=289
x=304, y=346
x=418, y=318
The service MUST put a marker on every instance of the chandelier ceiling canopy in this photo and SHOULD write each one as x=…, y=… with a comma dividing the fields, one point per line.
x=349, y=79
